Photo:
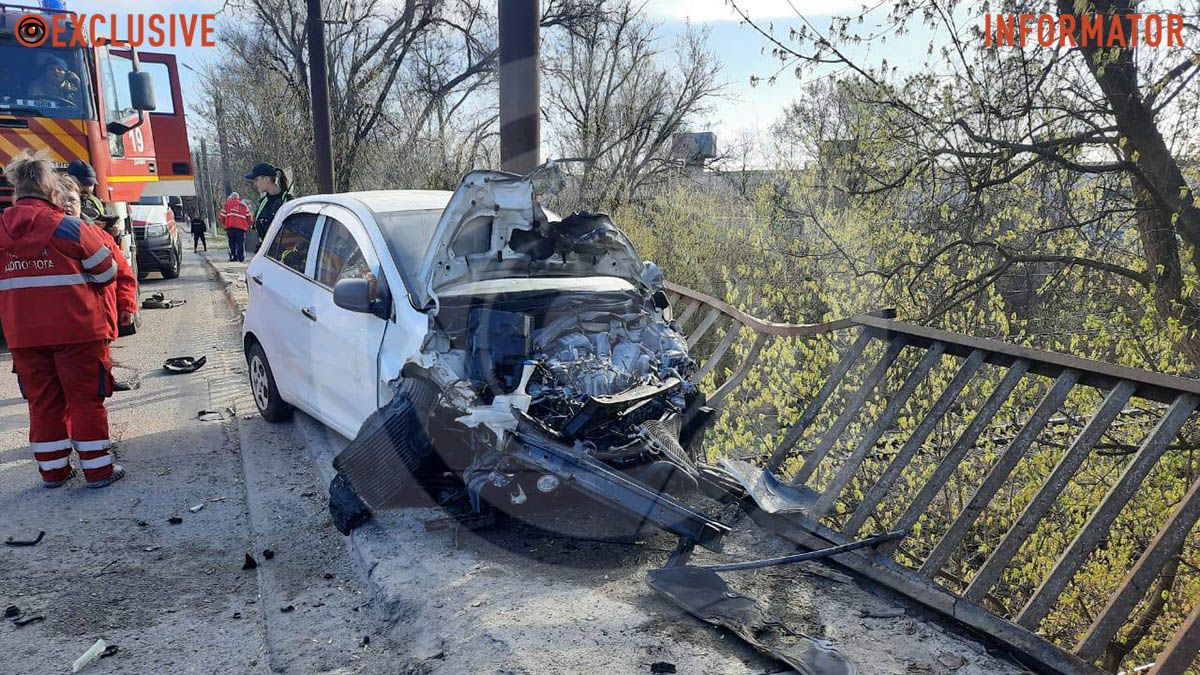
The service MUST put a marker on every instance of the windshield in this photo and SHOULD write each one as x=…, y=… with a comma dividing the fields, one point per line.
x=408, y=234
x=44, y=82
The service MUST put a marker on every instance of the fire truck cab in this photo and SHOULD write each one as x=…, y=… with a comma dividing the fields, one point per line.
x=98, y=104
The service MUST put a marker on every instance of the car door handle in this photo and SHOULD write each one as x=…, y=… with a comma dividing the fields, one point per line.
x=257, y=279
x=310, y=313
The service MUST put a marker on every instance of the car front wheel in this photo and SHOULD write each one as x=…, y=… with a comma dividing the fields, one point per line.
x=270, y=405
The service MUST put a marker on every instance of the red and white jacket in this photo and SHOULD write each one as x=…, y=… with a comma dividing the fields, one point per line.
x=120, y=296
x=235, y=215
x=50, y=265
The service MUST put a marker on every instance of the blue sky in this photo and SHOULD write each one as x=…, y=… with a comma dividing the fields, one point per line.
x=742, y=51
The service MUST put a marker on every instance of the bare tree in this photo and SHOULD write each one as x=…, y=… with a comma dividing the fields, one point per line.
x=616, y=97
x=1106, y=121
x=394, y=68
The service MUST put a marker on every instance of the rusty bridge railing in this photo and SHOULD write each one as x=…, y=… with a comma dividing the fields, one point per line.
x=846, y=466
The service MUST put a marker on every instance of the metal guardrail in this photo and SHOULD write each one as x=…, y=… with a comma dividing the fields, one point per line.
x=819, y=513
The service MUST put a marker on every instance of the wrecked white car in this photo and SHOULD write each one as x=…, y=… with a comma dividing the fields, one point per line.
x=477, y=336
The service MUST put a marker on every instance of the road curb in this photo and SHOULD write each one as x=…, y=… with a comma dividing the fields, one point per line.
x=227, y=287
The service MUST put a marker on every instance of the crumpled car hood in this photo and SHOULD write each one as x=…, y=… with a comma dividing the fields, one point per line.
x=494, y=228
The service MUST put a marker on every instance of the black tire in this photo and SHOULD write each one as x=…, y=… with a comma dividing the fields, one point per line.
x=270, y=404
x=391, y=449
x=171, y=271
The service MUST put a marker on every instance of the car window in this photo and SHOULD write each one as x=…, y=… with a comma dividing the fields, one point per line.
x=291, y=242
x=339, y=256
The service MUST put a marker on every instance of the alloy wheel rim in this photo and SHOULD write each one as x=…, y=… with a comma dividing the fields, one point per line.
x=258, y=382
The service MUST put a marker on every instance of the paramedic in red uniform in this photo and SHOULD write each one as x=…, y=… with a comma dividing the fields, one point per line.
x=120, y=297
x=54, y=320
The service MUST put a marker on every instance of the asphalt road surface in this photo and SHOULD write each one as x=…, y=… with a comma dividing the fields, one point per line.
x=174, y=598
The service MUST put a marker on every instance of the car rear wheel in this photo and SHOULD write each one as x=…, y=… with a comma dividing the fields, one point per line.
x=270, y=404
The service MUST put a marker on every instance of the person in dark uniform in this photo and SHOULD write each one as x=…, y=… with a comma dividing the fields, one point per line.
x=273, y=185
x=199, y=228
x=89, y=204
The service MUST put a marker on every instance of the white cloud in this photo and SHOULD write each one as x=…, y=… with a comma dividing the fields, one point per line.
x=704, y=11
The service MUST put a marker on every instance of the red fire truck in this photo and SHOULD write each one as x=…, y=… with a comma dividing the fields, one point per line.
x=138, y=145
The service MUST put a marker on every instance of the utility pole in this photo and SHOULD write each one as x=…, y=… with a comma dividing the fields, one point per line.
x=319, y=88
x=206, y=183
x=223, y=142
x=520, y=89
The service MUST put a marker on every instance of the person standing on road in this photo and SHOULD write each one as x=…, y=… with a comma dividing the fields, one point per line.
x=85, y=176
x=273, y=185
x=199, y=228
x=55, y=324
x=120, y=297
x=235, y=218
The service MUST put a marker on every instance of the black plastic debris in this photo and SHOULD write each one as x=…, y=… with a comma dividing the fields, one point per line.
x=237, y=615
x=175, y=520
x=662, y=667
x=109, y=651
x=268, y=553
x=287, y=608
x=184, y=364
x=705, y=595
x=159, y=301
x=366, y=640
x=142, y=523
x=11, y=611
x=250, y=563
x=26, y=620
x=329, y=575
x=13, y=541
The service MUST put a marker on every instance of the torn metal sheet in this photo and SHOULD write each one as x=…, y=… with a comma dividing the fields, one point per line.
x=705, y=595
x=771, y=495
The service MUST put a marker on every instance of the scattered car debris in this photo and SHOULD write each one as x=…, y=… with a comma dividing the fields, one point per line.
x=237, y=615
x=90, y=655
x=109, y=651
x=26, y=620
x=287, y=608
x=197, y=508
x=175, y=520
x=366, y=640
x=250, y=563
x=184, y=364
x=11, y=611
x=662, y=667
x=214, y=415
x=888, y=613
x=159, y=301
x=13, y=541
x=268, y=554
x=705, y=595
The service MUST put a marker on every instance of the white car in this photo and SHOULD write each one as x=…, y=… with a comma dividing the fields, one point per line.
x=463, y=316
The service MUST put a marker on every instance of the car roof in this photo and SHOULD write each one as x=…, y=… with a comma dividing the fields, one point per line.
x=387, y=201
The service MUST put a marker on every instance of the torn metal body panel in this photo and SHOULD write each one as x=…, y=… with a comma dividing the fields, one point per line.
x=705, y=595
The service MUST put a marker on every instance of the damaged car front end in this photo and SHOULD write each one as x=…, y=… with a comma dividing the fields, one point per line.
x=550, y=362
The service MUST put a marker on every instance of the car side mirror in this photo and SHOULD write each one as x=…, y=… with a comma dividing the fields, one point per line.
x=141, y=91
x=353, y=295
x=363, y=296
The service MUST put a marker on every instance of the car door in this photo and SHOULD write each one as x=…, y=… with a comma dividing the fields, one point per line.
x=283, y=293
x=345, y=349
